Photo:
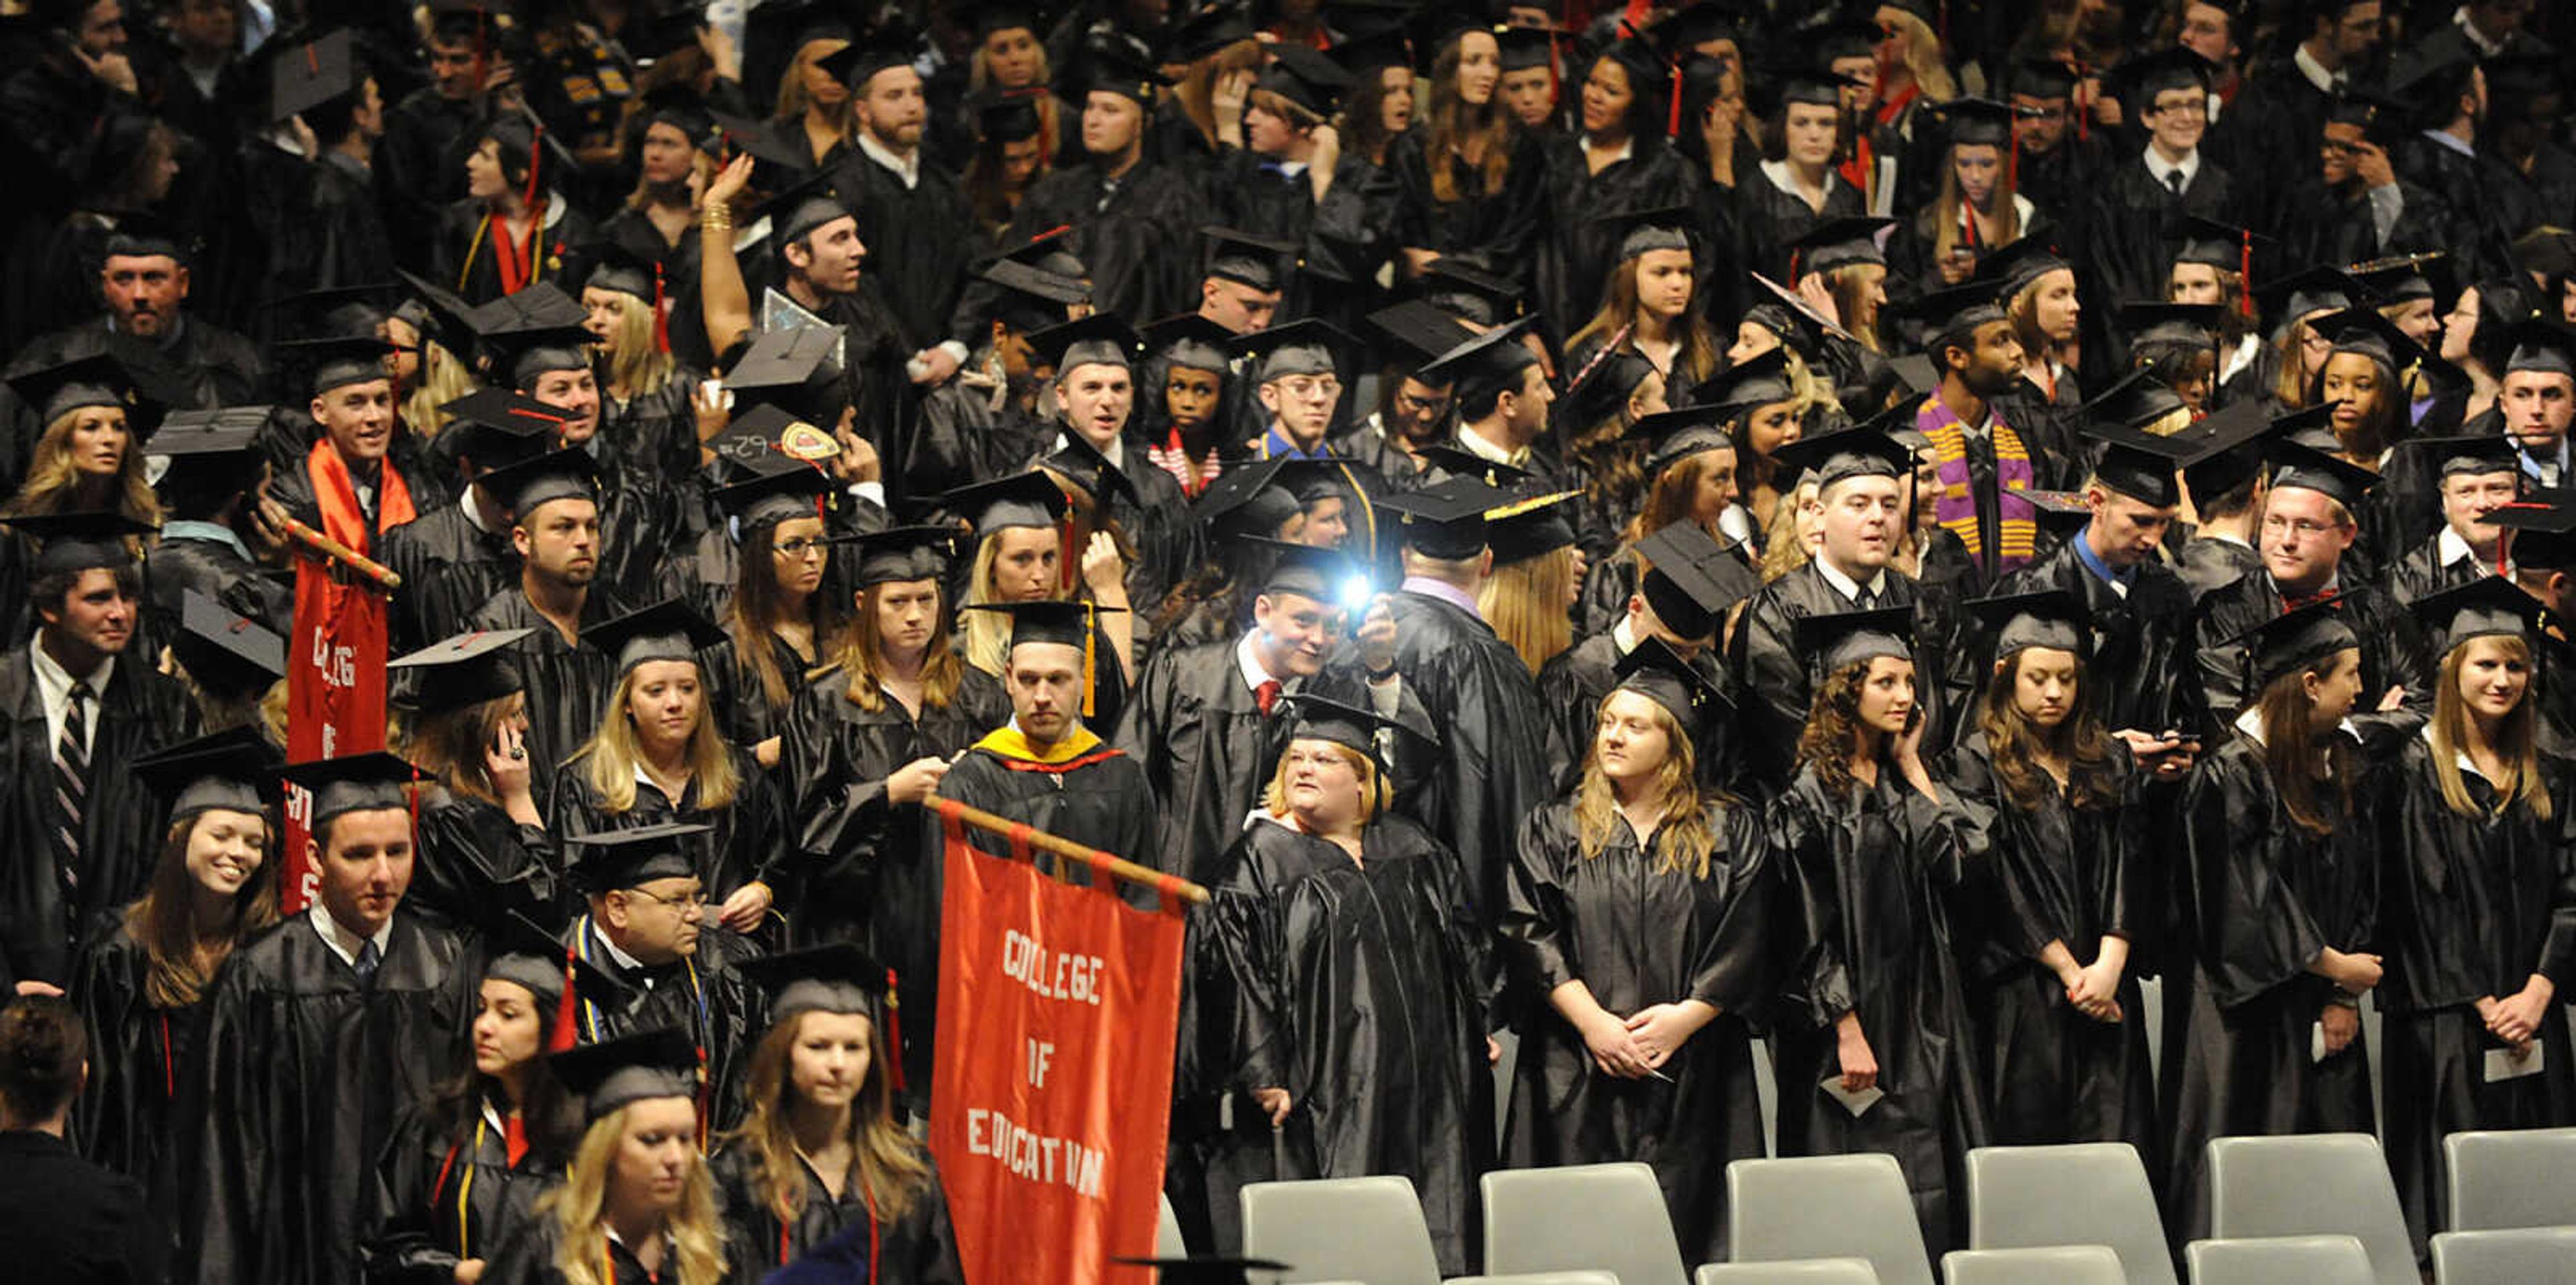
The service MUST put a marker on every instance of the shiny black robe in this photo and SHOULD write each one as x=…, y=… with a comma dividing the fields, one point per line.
x=1098, y=799
x=2123, y=227
x=1771, y=670
x=449, y=567
x=285, y=1134
x=1138, y=236
x=1872, y=869
x=568, y=684
x=218, y=571
x=966, y=438
x=2393, y=653
x=441, y=1196
x=1354, y=986
x=41, y=922
x=2206, y=564
x=706, y=995
x=748, y=840
x=1637, y=935
x=1352, y=228
x=1579, y=250
x=528, y=1258
x=873, y=869
x=919, y=1248
x=1505, y=226
x=1768, y=218
x=2139, y=673
x=475, y=864
x=2472, y=907
x=141, y=1060
x=2261, y=897
x=2422, y=572
x=2066, y=874
x=919, y=238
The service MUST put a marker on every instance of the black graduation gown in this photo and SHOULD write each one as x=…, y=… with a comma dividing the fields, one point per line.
x=201, y=367
x=1206, y=748
x=919, y=238
x=421, y=161
x=1771, y=670
x=2127, y=212
x=476, y=863
x=2471, y=908
x=2261, y=897
x=1352, y=228
x=1768, y=217
x=42, y=922
x=2393, y=653
x=567, y=683
x=449, y=567
x=217, y=570
x=1504, y=226
x=740, y=699
x=874, y=873
x=528, y=1258
x=966, y=436
x=140, y=1059
x=705, y=994
x=2072, y=875
x=748, y=840
x=2422, y=572
x=1098, y=799
x=1353, y=985
x=919, y=1248
x=285, y=1133
x=64, y=1219
x=1872, y=870
x=2207, y=563
x=440, y=1196
x=2047, y=420
x=1580, y=249
x=1637, y=935
x=2139, y=674
x=466, y=260
x=1138, y=235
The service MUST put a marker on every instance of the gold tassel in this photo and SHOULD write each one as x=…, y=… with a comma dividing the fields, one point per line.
x=1087, y=661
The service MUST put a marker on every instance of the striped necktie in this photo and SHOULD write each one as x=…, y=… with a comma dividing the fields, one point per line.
x=71, y=786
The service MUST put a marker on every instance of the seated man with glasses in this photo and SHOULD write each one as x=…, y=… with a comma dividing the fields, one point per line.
x=1298, y=377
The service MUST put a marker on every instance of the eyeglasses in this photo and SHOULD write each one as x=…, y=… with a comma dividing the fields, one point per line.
x=696, y=900
x=2195, y=106
x=1422, y=405
x=1312, y=386
x=2299, y=527
x=800, y=547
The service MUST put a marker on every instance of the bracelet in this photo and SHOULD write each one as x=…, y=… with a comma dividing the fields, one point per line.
x=717, y=217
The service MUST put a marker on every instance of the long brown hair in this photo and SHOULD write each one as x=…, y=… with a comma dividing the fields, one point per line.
x=580, y=1203
x=759, y=606
x=2517, y=740
x=1688, y=842
x=448, y=746
x=1362, y=122
x=890, y=1166
x=2015, y=745
x=1833, y=728
x=1525, y=603
x=53, y=481
x=2298, y=761
x=862, y=657
x=1454, y=124
x=1671, y=496
x=1945, y=211
x=1699, y=351
x=183, y=954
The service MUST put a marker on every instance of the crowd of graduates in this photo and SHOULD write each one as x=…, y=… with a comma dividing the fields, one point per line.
x=1893, y=544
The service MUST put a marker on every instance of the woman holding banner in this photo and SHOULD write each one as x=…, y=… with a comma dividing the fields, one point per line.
x=1341, y=943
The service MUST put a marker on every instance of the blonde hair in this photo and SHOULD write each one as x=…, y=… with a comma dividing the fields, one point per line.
x=1525, y=603
x=579, y=1204
x=792, y=98
x=443, y=379
x=1945, y=211
x=1922, y=56
x=610, y=757
x=863, y=655
x=1374, y=791
x=987, y=633
x=890, y=1166
x=2517, y=741
x=637, y=366
x=1782, y=550
x=52, y=478
x=1689, y=844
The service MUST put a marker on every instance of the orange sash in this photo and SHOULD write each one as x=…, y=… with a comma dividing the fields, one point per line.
x=337, y=494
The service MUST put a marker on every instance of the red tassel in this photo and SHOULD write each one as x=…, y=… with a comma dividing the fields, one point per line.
x=536, y=158
x=1673, y=113
x=1555, y=89
x=567, y=1031
x=894, y=1034
x=1796, y=257
x=661, y=319
x=1067, y=571
x=312, y=60
x=2245, y=274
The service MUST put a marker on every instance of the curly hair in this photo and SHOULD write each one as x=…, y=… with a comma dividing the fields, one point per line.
x=1833, y=732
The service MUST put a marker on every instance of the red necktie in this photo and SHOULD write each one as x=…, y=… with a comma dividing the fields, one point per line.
x=2289, y=605
x=1266, y=695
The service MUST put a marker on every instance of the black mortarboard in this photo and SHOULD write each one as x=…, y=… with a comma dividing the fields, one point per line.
x=2402, y=278
x=1032, y=299
x=1853, y=452
x=337, y=310
x=1814, y=84
x=679, y=105
x=2137, y=464
x=309, y=73
x=1303, y=569
x=1030, y=499
x=1206, y=1269
x=2310, y=469
x=614, y=1074
x=787, y=488
x=2315, y=290
x=370, y=782
x=2139, y=80
x=502, y=427
x=667, y=630
x=1652, y=669
x=2543, y=346
x=2470, y=456
x=2382, y=121
x=2041, y=78
x=1207, y=32
x=1691, y=580
x=2214, y=244
x=144, y=235
x=615, y=859
x=1112, y=69
x=1951, y=315
x=1051, y=250
x=2052, y=618
x=1663, y=227
x=522, y=952
x=802, y=206
x=95, y=380
x=1603, y=387
x=873, y=51
x=1530, y=527
x=614, y=267
x=1246, y=258
x=2487, y=607
x=228, y=654
x=777, y=165
x=1684, y=431
x=1323, y=719
x=1048, y=620
x=438, y=313
x=1307, y=346
x=70, y=542
x=1779, y=310
x=556, y=475
x=536, y=331
x=1466, y=285
x=1837, y=243
x=1444, y=521
x=1426, y=331
x=904, y=553
x=2544, y=530
x=1008, y=115
x=1101, y=339
x=2223, y=454
x=339, y=361
x=835, y=978
x=2364, y=331
x=1191, y=342
x=2138, y=400
x=1833, y=643
x=1746, y=385
x=2020, y=265
x=2292, y=642
x=768, y=441
x=1525, y=48
x=1457, y=461
x=795, y=369
x=1246, y=500
x=1077, y=461
x=235, y=770
x=990, y=16
x=1311, y=80
x=1490, y=362
x=461, y=671
x=1970, y=120
x=216, y=447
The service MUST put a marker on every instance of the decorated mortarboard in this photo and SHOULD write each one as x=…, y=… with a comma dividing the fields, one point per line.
x=2487, y=607
x=2292, y=642
x=1603, y=387
x=610, y=860
x=614, y=1074
x=461, y=671
x=2542, y=346
x=2476, y=455
x=1691, y=580
x=1310, y=80
x=1489, y=362
x=2139, y=80
x=1080, y=463
x=2052, y=618
x=1837, y=243
x=1652, y=669
x=228, y=654
x=1833, y=643
x=2309, y=469
x=1049, y=620
x=1101, y=339
x=769, y=440
x=235, y=770
x=2543, y=524
x=1663, y=227
x=1029, y=499
x=1190, y=341
x=875, y=50
x=1206, y=1269
x=2138, y=464
x=306, y=74
x=541, y=479
x=2402, y=278
x=95, y=380
x=72, y=542
x=1524, y=528
x=1466, y=285
x=370, y=782
x=1308, y=346
x=1247, y=258
x=502, y=427
x=793, y=368
x=1424, y=331
x=1445, y=520
x=904, y=554
x=339, y=361
x=2224, y=453
x=2062, y=512
x=1853, y=452
x=1307, y=571
x=668, y=630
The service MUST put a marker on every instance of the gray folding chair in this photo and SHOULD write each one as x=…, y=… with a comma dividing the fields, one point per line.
x=1826, y=1207
x=1789, y=1271
x=2278, y=1260
x=2087, y=1193
x=1608, y=1216
x=2042, y=1265
x=1329, y=1229
x=1541, y=1278
x=2511, y=1178
x=2516, y=1256
x=2316, y=1184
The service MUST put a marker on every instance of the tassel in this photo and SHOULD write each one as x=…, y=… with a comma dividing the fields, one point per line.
x=567, y=1031
x=312, y=60
x=1673, y=112
x=1555, y=89
x=894, y=1034
x=2245, y=274
x=1068, y=572
x=1796, y=257
x=661, y=319
x=1089, y=661
x=2082, y=103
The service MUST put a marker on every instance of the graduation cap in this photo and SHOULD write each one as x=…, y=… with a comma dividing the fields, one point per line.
x=776, y=165
x=504, y=427
x=1007, y=115
x=1837, y=243
x=989, y=16
x=370, y=782
x=339, y=361
x=1490, y=362
x=795, y=369
x=2210, y=243
x=2138, y=464
x=795, y=211
x=791, y=489
x=1434, y=26
x=1247, y=500
x=2487, y=607
x=678, y=105
x=1029, y=499
x=1466, y=285
x=1691, y=580
x=2382, y=121
x=1246, y=258
x=1077, y=461
x=2470, y=456
x=837, y=978
x=2061, y=512
x=2138, y=81
x=95, y=380
x=1305, y=570
x=1423, y=330
x=2020, y=265
x=75, y=542
x=1843, y=639
x=1528, y=528
x=904, y=553
x=613, y=860
x=2401, y=278
x=2542, y=346
x=1747, y=385
x=339, y=310
x=1113, y=69
x=1973, y=121
x=1191, y=342
x=1205, y=1269
x=1814, y=84
x=667, y=630
x=534, y=332
x=2052, y=618
x=614, y=1074
x=1320, y=718
x=1652, y=669
x=306, y=75
x=1051, y=250
x=1310, y=80
x=2223, y=453
x=2041, y=78
x=523, y=953
x=1853, y=452
x=2317, y=289
x=234, y=770
x=1101, y=339
x=1525, y=48
x=1365, y=55
x=2292, y=642
x=1060, y=623
x=1209, y=31
x=2137, y=401
x=519, y=132
x=875, y=50
x=2544, y=527
x=2157, y=322
x=1951, y=315
x=2366, y=332
x=1684, y=431
x=229, y=654
x=1032, y=299
x=145, y=236
x=1455, y=460
x=1445, y=521
x=1663, y=227
x=461, y=671
x=1780, y=311
x=1309, y=346
x=1603, y=387
x=541, y=479
x=614, y=267
x=2309, y=469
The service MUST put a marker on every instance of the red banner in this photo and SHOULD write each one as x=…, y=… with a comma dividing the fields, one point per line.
x=335, y=695
x=1052, y=1089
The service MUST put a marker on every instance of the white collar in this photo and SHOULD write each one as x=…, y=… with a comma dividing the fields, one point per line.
x=2250, y=722
x=2158, y=166
x=907, y=169
x=1484, y=450
x=1778, y=173
x=2459, y=757
x=1624, y=635
x=1249, y=665
x=1115, y=452
x=56, y=681
x=2449, y=548
x=2315, y=71
x=342, y=942
x=1627, y=150
x=600, y=934
x=1845, y=585
x=472, y=518
x=2239, y=357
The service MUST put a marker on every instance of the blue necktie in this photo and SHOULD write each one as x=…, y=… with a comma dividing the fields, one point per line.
x=369, y=958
